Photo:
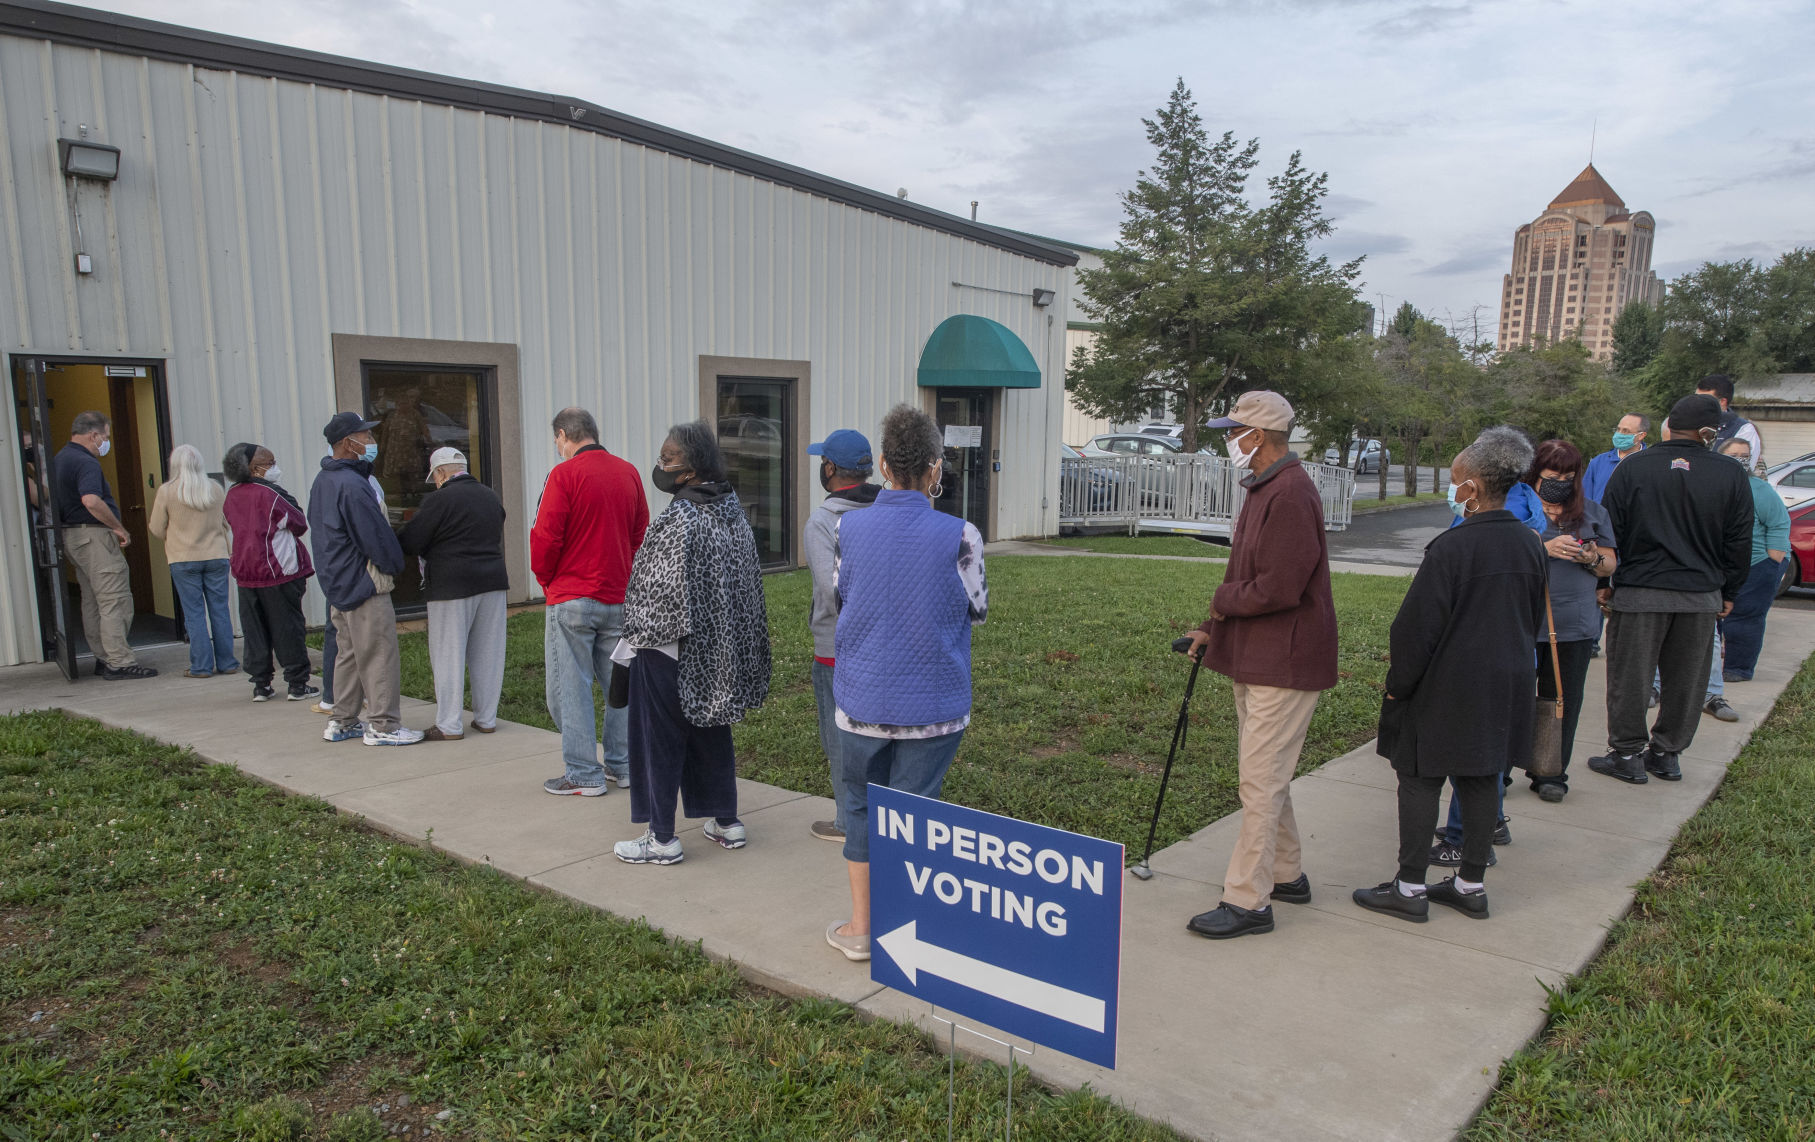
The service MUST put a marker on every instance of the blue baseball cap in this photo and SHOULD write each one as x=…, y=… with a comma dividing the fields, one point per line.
x=846, y=448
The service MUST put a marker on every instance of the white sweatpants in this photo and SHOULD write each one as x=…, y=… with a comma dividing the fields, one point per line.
x=467, y=634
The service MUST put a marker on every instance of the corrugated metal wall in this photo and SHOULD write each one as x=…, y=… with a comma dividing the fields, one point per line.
x=255, y=217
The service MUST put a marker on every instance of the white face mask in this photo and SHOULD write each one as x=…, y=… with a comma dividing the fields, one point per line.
x=1237, y=456
x=274, y=473
x=105, y=448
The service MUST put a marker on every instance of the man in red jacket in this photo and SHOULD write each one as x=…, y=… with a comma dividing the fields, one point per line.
x=588, y=528
x=1272, y=630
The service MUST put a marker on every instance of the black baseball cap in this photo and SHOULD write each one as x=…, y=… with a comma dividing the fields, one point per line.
x=344, y=425
x=1694, y=413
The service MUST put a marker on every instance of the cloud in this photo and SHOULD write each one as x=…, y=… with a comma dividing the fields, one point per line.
x=1347, y=244
x=1420, y=20
x=1470, y=262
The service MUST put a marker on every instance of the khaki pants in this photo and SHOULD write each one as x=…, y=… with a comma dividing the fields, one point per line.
x=106, y=593
x=1272, y=722
x=367, y=675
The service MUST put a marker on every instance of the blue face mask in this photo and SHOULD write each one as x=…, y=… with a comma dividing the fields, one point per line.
x=1624, y=440
x=1460, y=508
x=371, y=454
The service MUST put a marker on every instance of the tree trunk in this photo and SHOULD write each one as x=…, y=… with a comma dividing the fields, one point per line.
x=1382, y=468
x=1411, y=465
x=1189, y=419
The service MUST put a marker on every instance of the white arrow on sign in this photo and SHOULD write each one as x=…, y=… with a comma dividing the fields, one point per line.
x=914, y=955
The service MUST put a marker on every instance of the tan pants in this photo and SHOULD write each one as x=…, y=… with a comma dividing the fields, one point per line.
x=106, y=593
x=368, y=683
x=1271, y=721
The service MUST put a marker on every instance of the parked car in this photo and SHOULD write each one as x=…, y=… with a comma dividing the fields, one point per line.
x=1136, y=444
x=1799, y=568
x=1098, y=488
x=1369, y=457
x=1793, y=479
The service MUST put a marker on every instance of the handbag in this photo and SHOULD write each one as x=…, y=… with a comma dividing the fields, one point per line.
x=1547, y=716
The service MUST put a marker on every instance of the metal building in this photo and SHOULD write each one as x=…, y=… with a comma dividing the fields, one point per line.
x=215, y=240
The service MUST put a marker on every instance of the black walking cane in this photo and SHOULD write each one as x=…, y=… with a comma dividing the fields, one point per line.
x=1181, y=646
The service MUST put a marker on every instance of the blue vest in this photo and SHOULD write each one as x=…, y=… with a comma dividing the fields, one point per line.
x=903, y=644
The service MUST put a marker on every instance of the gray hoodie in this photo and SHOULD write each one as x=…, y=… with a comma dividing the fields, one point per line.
x=820, y=541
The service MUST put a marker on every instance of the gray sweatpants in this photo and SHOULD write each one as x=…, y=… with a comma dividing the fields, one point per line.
x=367, y=672
x=1675, y=648
x=467, y=634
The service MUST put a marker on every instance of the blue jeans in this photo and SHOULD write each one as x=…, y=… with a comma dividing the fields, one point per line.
x=578, y=637
x=1744, y=629
x=830, y=739
x=201, y=585
x=912, y=765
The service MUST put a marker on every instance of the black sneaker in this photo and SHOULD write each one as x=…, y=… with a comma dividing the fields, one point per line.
x=1470, y=904
x=1294, y=891
x=262, y=693
x=1550, y=791
x=1734, y=676
x=1503, y=832
x=1628, y=767
x=120, y=673
x=1387, y=898
x=1446, y=855
x=1663, y=766
x=1226, y=921
x=304, y=692
x=1717, y=706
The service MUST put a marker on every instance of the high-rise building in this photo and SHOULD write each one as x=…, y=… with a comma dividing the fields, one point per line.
x=1575, y=266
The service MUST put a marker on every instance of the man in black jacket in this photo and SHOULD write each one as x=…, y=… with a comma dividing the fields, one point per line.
x=1683, y=517
x=458, y=533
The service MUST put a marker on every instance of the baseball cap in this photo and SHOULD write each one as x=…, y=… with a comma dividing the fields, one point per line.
x=1694, y=413
x=344, y=425
x=1258, y=409
x=444, y=456
x=846, y=448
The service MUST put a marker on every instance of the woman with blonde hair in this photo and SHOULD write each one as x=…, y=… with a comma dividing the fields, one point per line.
x=187, y=516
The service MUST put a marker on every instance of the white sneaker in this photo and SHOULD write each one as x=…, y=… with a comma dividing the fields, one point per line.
x=402, y=735
x=339, y=731
x=728, y=836
x=645, y=850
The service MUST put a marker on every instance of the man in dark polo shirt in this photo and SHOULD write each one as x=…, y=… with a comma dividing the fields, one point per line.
x=94, y=539
x=1272, y=630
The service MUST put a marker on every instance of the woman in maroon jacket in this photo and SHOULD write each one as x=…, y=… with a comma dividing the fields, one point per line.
x=272, y=568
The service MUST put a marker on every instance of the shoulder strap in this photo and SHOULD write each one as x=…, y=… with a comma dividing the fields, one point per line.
x=1556, y=668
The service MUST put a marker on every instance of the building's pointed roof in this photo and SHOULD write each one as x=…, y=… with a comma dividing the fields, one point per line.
x=1588, y=189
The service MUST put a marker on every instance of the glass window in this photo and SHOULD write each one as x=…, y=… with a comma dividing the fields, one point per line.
x=1802, y=478
x=421, y=408
x=755, y=432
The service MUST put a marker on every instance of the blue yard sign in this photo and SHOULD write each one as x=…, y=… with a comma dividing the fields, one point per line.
x=1015, y=925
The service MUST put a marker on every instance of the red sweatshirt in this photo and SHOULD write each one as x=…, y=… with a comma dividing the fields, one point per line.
x=588, y=528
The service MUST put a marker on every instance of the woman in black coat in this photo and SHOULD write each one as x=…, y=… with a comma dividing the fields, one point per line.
x=1460, y=686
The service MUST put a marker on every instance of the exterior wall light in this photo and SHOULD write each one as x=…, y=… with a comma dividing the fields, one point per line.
x=1043, y=298
x=82, y=159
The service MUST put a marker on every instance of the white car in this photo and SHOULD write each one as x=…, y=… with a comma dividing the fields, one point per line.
x=1793, y=479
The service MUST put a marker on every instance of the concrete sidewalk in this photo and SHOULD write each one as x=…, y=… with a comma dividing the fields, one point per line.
x=1342, y=1024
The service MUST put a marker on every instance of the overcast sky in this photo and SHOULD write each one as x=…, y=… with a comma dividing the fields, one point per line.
x=1443, y=126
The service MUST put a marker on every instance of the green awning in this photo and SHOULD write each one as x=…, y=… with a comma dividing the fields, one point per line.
x=968, y=351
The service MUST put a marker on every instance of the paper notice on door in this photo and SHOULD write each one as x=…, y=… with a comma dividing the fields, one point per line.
x=964, y=436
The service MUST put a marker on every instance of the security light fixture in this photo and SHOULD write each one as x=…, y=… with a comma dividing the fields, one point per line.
x=1043, y=298
x=80, y=158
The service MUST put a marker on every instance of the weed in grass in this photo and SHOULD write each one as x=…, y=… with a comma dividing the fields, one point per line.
x=185, y=953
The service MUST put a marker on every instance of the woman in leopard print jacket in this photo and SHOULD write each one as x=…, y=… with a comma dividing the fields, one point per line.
x=696, y=641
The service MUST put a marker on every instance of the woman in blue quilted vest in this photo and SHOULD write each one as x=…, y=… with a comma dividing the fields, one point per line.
x=910, y=588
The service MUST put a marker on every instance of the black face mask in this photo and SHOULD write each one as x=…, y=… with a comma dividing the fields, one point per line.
x=1555, y=491
x=665, y=481
x=825, y=477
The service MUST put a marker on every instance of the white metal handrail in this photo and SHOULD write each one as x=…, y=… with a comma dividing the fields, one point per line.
x=1197, y=494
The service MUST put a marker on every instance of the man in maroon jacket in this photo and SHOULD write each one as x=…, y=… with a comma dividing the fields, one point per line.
x=1272, y=630
x=588, y=528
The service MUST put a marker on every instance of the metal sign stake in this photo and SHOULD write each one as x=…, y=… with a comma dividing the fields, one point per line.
x=951, y=1081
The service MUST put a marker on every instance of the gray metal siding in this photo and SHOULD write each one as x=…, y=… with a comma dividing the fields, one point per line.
x=255, y=217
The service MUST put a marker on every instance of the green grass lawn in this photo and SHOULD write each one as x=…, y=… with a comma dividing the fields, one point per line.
x=1142, y=545
x=185, y=953
x=1076, y=690
x=1370, y=503
x=1698, y=1019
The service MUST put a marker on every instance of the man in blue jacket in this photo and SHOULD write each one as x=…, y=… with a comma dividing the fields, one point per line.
x=1628, y=439
x=356, y=558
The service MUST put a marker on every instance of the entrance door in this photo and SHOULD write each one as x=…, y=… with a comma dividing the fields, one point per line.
x=966, y=418
x=46, y=526
x=756, y=435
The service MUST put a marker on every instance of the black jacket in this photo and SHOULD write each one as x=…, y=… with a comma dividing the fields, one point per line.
x=459, y=530
x=1461, y=682
x=1683, y=518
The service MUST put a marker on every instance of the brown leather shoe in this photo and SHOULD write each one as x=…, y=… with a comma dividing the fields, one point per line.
x=434, y=734
x=491, y=729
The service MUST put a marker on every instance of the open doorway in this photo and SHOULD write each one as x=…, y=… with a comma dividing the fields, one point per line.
x=131, y=394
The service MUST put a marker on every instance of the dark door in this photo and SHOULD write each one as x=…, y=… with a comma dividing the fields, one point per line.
x=965, y=417
x=47, y=524
x=756, y=435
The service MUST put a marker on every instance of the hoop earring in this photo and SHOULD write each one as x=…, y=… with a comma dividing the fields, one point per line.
x=938, y=489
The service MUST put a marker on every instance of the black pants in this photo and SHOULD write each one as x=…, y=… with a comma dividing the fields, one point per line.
x=1677, y=646
x=1418, y=797
x=271, y=619
x=671, y=756
x=1573, y=658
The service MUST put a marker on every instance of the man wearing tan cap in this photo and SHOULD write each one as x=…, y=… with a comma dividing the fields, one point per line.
x=1272, y=630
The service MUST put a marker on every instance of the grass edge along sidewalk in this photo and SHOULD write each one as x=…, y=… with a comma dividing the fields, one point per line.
x=1696, y=1019
x=186, y=950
